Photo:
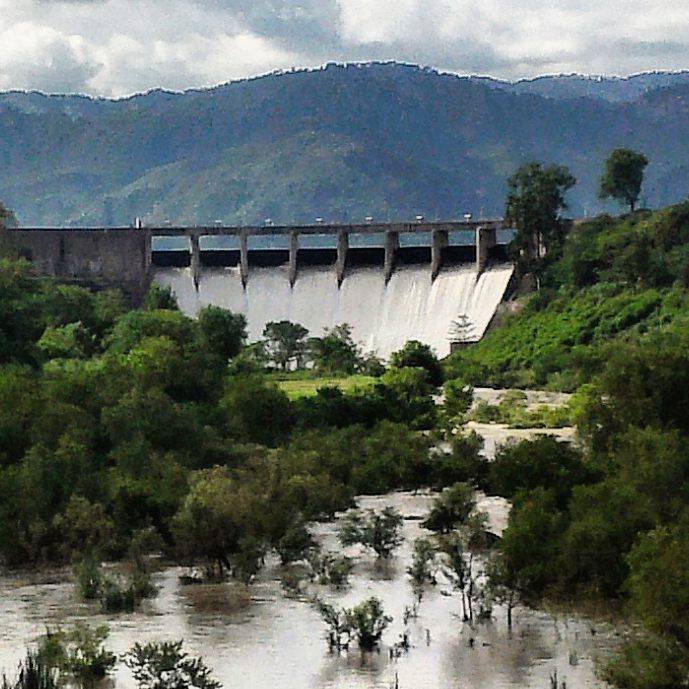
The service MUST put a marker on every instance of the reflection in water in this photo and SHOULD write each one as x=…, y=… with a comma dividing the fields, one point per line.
x=262, y=639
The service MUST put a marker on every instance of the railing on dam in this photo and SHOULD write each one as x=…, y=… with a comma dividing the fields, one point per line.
x=341, y=246
x=124, y=257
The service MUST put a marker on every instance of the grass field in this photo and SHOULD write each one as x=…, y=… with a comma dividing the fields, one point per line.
x=305, y=387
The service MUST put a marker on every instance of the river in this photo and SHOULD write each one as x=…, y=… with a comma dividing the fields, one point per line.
x=263, y=638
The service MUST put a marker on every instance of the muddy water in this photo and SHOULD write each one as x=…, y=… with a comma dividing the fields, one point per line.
x=265, y=639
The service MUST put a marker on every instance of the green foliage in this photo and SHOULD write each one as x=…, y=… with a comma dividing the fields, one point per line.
x=535, y=199
x=295, y=543
x=423, y=564
x=380, y=531
x=255, y=411
x=165, y=665
x=70, y=341
x=222, y=332
x=658, y=584
x=416, y=354
x=458, y=398
x=33, y=673
x=647, y=663
x=630, y=270
x=458, y=550
x=117, y=595
x=160, y=297
x=329, y=568
x=540, y=463
x=335, y=351
x=622, y=176
x=530, y=544
x=78, y=654
x=368, y=621
x=338, y=623
x=85, y=527
x=463, y=464
x=214, y=519
x=451, y=508
x=285, y=343
x=89, y=577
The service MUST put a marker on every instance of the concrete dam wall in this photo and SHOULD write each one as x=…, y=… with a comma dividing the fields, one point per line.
x=383, y=316
x=390, y=282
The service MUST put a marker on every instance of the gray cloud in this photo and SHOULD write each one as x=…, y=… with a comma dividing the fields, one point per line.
x=116, y=47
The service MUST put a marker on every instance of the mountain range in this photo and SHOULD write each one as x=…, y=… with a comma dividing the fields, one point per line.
x=343, y=142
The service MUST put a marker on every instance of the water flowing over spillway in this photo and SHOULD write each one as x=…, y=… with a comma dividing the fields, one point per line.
x=383, y=317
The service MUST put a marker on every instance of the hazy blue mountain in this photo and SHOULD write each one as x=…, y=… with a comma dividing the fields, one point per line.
x=341, y=143
x=612, y=89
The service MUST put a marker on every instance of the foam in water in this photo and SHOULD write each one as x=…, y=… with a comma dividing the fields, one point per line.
x=383, y=317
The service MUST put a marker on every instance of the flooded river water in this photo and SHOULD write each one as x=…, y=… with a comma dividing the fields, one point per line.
x=263, y=638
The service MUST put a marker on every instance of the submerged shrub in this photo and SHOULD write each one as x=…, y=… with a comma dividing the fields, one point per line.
x=164, y=665
x=33, y=673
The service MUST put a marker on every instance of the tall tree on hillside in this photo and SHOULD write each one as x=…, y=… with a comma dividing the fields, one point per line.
x=7, y=218
x=285, y=342
x=535, y=199
x=622, y=176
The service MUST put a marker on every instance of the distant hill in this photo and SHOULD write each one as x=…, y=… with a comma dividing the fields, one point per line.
x=612, y=89
x=344, y=142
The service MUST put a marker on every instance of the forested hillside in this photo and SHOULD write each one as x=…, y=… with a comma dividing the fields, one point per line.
x=340, y=143
x=616, y=281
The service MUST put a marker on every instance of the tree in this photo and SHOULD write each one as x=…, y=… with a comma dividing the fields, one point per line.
x=79, y=653
x=462, y=330
x=339, y=627
x=622, y=176
x=658, y=588
x=423, y=564
x=459, y=549
x=159, y=297
x=222, y=332
x=7, y=217
x=166, y=666
x=285, y=342
x=368, y=621
x=503, y=582
x=535, y=199
x=543, y=462
x=216, y=515
x=295, y=543
x=408, y=396
x=255, y=411
x=380, y=531
x=531, y=543
x=416, y=354
x=451, y=508
x=336, y=351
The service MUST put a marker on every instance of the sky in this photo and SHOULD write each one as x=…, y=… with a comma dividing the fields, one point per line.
x=117, y=47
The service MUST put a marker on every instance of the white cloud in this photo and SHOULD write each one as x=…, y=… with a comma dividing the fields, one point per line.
x=116, y=47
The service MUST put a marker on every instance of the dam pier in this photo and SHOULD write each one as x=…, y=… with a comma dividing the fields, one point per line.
x=128, y=257
x=391, y=282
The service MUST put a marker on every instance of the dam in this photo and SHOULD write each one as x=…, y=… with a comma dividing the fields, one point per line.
x=390, y=282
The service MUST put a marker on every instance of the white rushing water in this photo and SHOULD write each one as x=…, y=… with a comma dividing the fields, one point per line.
x=383, y=317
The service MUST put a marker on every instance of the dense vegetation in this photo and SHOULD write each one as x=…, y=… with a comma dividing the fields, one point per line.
x=613, y=281
x=605, y=522
x=114, y=422
x=117, y=425
x=340, y=143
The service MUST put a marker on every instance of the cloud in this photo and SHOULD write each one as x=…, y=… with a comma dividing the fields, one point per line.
x=116, y=47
